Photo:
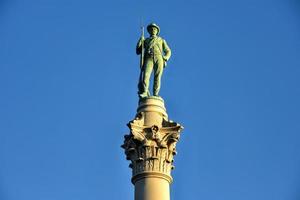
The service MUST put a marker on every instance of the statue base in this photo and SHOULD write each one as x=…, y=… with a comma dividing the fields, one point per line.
x=153, y=110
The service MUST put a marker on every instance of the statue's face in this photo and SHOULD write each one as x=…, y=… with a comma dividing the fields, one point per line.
x=153, y=30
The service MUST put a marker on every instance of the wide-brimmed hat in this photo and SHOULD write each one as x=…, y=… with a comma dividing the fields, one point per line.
x=153, y=25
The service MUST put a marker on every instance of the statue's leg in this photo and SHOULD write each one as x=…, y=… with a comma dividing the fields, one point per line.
x=148, y=67
x=158, y=70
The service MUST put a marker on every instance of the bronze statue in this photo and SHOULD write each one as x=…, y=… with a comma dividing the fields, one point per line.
x=154, y=52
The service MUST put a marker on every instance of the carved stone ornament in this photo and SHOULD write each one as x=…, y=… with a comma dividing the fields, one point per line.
x=151, y=148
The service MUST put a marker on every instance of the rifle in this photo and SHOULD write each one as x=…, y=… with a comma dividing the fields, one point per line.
x=140, y=86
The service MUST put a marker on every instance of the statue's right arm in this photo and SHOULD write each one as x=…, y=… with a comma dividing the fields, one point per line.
x=139, y=46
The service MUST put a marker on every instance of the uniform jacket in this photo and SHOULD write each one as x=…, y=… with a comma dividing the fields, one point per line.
x=154, y=47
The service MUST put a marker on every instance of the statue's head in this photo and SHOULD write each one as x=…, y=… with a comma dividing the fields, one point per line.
x=153, y=29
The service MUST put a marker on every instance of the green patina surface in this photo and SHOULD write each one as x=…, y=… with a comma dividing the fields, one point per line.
x=155, y=53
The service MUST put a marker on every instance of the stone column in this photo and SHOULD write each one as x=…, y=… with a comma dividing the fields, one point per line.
x=150, y=147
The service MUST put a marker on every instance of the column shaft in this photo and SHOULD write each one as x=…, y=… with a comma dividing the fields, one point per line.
x=152, y=188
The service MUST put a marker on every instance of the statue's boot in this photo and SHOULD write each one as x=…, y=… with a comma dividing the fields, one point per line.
x=144, y=94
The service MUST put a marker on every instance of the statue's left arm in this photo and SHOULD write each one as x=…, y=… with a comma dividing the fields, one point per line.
x=166, y=50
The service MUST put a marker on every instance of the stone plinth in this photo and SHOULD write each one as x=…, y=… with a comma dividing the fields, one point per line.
x=150, y=147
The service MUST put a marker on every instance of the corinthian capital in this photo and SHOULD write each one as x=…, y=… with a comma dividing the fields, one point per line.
x=151, y=143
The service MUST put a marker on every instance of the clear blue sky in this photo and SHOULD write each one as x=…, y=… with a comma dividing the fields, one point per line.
x=68, y=76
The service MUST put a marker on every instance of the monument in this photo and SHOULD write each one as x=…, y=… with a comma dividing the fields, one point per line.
x=150, y=145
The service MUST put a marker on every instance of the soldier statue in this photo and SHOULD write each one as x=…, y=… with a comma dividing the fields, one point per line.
x=155, y=53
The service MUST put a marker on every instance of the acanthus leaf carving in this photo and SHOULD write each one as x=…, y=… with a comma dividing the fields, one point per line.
x=151, y=148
